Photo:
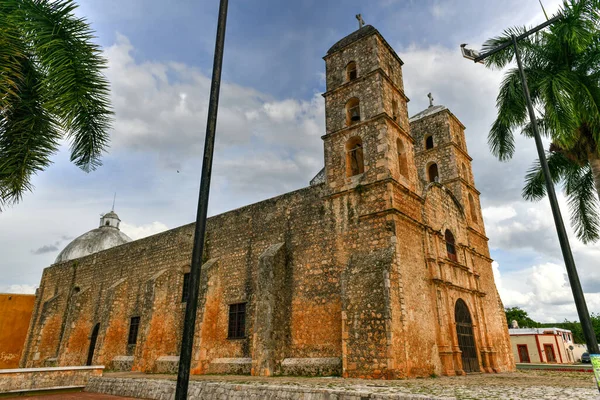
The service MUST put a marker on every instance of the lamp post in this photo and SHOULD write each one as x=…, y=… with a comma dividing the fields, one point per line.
x=187, y=341
x=580, y=304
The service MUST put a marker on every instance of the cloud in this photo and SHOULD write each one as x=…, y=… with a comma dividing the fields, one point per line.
x=160, y=108
x=142, y=231
x=47, y=248
x=18, y=289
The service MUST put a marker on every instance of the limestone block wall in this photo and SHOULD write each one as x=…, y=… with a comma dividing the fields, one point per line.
x=30, y=379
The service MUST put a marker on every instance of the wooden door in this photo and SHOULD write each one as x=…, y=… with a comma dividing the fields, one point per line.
x=523, y=353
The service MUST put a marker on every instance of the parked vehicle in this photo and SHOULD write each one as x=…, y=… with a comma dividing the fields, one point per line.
x=585, y=358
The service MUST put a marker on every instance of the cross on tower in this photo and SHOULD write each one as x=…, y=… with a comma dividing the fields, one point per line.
x=430, y=99
x=361, y=22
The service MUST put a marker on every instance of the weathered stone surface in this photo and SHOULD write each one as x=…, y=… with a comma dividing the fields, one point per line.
x=20, y=380
x=331, y=366
x=121, y=363
x=356, y=268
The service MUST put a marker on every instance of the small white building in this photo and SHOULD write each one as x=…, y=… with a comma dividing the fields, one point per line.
x=544, y=345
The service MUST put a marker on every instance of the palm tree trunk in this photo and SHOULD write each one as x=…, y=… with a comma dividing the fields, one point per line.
x=594, y=159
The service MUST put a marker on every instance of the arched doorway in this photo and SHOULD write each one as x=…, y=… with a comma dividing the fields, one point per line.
x=93, y=339
x=466, y=339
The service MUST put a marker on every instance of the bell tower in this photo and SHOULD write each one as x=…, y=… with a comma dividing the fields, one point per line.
x=367, y=130
x=441, y=156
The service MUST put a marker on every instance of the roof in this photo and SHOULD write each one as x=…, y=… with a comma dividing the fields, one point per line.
x=427, y=112
x=536, y=331
x=102, y=238
x=361, y=33
x=365, y=31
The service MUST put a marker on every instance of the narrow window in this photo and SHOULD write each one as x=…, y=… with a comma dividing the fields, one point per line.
x=429, y=142
x=352, y=111
x=351, y=73
x=450, y=246
x=354, y=157
x=133, y=330
x=464, y=171
x=472, y=208
x=186, y=287
x=395, y=116
x=432, y=173
x=237, y=321
x=402, y=163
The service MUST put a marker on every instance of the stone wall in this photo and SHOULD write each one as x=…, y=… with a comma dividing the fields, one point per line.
x=165, y=390
x=15, y=314
x=31, y=379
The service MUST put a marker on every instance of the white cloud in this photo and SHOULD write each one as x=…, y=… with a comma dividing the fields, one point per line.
x=18, y=289
x=141, y=231
x=493, y=215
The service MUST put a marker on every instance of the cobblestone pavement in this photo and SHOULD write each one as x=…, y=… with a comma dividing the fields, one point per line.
x=75, y=396
x=520, y=385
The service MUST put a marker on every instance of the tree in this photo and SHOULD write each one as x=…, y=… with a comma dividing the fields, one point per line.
x=562, y=66
x=51, y=88
x=520, y=315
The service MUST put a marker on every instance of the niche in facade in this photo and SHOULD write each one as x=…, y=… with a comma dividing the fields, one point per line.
x=352, y=111
x=354, y=157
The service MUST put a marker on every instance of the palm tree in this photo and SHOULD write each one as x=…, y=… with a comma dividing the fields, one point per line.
x=562, y=66
x=51, y=88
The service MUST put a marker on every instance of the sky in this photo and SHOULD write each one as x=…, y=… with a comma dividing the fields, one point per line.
x=271, y=118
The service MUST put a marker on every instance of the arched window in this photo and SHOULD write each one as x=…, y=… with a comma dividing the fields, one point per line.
x=351, y=73
x=472, y=208
x=354, y=157
x=352, y=111
x=402, y=163
x=432, y=173
x=450, y=246
x=395, y=116
x=429, y=142
x=464, y=172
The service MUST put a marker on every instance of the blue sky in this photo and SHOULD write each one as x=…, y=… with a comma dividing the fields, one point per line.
x=270, y=122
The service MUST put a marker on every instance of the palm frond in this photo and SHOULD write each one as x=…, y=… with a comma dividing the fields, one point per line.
x=511, y=114
x=535, y=184
x=583, y=202
x=28, y=136
x=73, y=75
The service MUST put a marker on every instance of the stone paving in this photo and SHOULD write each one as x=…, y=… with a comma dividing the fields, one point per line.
x=520, y=385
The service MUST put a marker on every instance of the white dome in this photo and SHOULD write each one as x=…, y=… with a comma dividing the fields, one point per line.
x=106, y=236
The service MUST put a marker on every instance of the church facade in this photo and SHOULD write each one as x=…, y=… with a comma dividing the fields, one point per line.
x=379, y=269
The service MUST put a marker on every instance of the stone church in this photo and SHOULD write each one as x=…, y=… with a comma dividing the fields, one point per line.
x=380, y=268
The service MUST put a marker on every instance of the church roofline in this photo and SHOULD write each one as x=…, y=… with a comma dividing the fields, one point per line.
x=364, y=32
x=430, y=111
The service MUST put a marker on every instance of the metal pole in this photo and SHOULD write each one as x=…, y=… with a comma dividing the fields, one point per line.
x=582, y=310
x=185, y=356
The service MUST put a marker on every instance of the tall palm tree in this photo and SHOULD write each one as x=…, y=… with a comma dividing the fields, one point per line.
x=51, y=88
x=562, y=66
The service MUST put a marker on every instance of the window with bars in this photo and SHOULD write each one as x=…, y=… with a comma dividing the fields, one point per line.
x=186, y=287
x=133, y=330
x=237, y=321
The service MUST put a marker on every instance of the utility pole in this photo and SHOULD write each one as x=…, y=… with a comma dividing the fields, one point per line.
x=187, y=341
x=580, y=304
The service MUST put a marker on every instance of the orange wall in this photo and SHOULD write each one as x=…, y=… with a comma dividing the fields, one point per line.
x=15, y=313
